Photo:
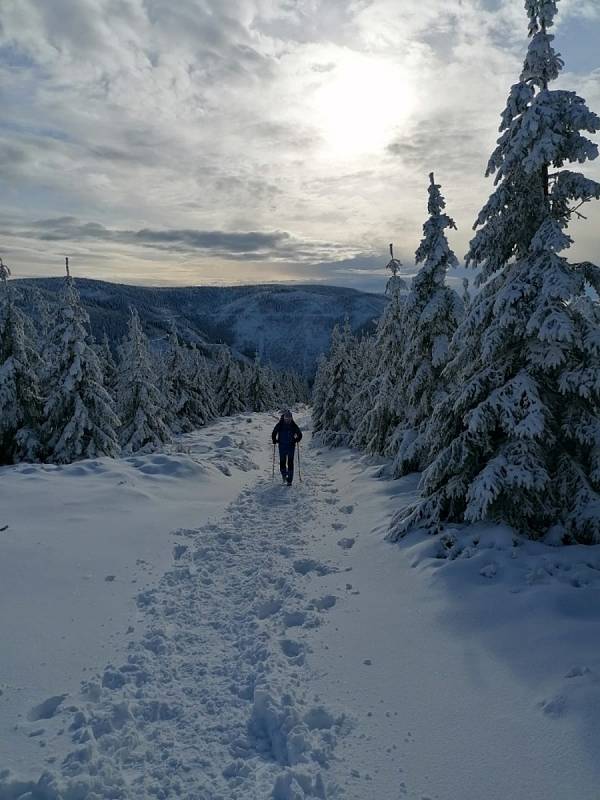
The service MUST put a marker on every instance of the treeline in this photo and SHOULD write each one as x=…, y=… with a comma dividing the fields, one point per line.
x=64, y=396
x=495, y=399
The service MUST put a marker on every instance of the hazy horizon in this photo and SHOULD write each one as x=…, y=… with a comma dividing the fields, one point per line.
x=158, y=284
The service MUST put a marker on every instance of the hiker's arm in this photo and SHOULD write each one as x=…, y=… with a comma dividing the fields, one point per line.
x=274, y=434
x=298, y=434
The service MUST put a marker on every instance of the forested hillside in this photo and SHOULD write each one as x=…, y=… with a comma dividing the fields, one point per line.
x=289, y=326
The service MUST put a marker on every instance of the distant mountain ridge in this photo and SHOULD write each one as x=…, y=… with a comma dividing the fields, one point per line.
x=288, y=325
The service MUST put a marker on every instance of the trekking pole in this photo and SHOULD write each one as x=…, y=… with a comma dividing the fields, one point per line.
x=299, y=469
x=273, y=473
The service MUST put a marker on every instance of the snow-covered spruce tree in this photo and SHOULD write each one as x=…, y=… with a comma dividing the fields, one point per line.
x=518, y=439
x=366, y=387
x=108, y=364
x=260, y=395
x=296, y=387
x=229, y=389
x=319, y=392
x=44, y=313
x=333, y=422
x=275, y=380
x=384, y=410
x=20, y=398
x=431, y=314
x=80, y=416
x=466, y=294
x=142, y=407
x=185, y=396
x=202, y=380
x=288, y=389
x=293, y=389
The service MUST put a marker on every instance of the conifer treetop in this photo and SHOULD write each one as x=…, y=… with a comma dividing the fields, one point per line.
x=542, y=63
x=541, y=14
x=540, y=129
x=4, y=271
x=395, y=284
x=433, y=249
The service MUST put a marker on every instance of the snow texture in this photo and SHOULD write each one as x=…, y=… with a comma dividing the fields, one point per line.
x=254, y=657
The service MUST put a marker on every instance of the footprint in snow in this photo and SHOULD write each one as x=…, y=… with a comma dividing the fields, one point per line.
x=292, y=649
x=324, y=603
x=224, y=441
x=346, y=509
x=303, y=566
x=267, y=608
x=555, y=706
x=47, y=709
x=319, y=718
x=294, y=619
x=346, y=543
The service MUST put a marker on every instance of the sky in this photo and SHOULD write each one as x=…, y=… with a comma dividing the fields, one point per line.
x=242, y=141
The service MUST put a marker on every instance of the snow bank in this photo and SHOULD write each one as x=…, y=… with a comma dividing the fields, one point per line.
x=82, y=541
x=279, y=648
x=470, y=665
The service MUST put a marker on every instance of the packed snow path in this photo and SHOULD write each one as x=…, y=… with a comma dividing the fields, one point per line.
x=287, y=652
x=210, y=701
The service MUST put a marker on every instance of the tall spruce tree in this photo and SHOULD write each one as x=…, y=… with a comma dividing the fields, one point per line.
x=108, y=364
x=260, y=388
x=295, y=387
x=319, y=392
x=334, y=422
x=20, y=398
x=202, y=380
x=80, y=417
x=431, y=313
x=142, y=407
x=384, y=410
x=44, y=313
x=185, y=395
x=518, y=439
x=229, y=387
x=365, y=395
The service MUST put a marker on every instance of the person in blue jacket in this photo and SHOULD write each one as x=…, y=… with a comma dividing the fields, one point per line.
x=286, y=434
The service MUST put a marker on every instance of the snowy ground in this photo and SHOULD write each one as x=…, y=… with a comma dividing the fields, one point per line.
x=176, y=625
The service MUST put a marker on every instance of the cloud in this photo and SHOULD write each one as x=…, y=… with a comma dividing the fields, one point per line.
x=225, y=245
x=245, y=130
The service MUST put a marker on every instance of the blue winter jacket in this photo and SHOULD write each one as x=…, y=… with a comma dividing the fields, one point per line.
x=286, y=435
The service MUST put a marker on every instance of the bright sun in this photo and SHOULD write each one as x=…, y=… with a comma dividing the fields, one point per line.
x=360, y=103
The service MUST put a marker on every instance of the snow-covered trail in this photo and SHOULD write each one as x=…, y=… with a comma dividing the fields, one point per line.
x=288, y=652
x=211, y=700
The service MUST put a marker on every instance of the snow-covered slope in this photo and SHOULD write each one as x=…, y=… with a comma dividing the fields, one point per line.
x=289, y=325
x=240, y=640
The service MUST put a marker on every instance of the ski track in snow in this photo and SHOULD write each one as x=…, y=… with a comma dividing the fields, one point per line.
x=211, y=701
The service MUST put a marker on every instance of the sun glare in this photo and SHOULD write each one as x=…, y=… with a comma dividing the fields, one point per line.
x=360, y=103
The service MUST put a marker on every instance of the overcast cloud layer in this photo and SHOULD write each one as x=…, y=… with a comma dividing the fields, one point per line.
x=227, y=141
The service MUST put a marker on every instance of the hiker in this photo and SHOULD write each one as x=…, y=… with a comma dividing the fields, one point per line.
x=286, y=433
